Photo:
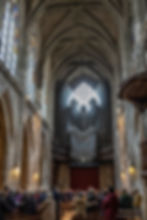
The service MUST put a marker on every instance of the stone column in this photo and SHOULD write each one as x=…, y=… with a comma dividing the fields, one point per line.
x=143, y=136
x=138, y=53
x=2, y=9
x=123, y=45
x=51, y=99
x=34, y=153
x=21, y=72
x=46, y=170
x=115, y=140
x=47, y=159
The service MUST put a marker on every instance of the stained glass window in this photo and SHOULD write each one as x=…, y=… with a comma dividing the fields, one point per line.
x=10, y=35
x=83, y=94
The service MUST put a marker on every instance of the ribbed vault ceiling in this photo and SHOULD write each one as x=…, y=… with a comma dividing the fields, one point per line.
x=78, y=33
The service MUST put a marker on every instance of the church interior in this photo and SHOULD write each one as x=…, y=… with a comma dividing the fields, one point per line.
x=73, y=100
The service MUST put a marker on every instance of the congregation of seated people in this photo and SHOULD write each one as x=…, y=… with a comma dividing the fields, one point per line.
x=24, y=205
x=102, y=205
x=83, y=205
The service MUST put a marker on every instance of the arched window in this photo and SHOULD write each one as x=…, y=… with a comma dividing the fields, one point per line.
x=9, y=43
x=32, y=59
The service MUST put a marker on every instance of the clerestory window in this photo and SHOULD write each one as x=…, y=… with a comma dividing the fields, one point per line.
x=9, y=36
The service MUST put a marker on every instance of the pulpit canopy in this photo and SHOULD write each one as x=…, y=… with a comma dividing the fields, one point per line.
x=135, y=90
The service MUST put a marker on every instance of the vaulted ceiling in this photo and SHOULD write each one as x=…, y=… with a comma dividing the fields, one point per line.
x=78, y=33
x=79, y=36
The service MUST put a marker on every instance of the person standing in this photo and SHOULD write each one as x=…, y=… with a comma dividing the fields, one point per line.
x=80, y=207
x=92, y=205
x=58, y=197
x=110, y=205
x=137, y=203
x=126, y=200
x=47, y=208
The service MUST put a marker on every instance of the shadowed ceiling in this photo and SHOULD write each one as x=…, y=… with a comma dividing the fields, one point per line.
x=79, y=33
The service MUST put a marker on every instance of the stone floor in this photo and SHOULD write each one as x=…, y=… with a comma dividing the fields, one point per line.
x=67, y=215
x=70, y=213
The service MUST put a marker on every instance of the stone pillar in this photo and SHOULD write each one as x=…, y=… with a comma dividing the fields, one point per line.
x=123, y=45
x=34, y=150
x=23, y=41
x=138, y=53
x=115, y=140
x=2, y=9
x=50, y=97
x=63, y=179
x=22, y=74
x=47, y=162
x=123, y=150
x=106, y=176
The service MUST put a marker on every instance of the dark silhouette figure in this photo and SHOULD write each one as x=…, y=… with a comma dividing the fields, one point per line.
x=110, y=205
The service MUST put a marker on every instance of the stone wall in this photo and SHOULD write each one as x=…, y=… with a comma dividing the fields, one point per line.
x=106, y=176
x=17, y=113
x=63, y=176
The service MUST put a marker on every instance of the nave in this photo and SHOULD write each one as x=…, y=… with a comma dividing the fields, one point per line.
x=73, y=100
